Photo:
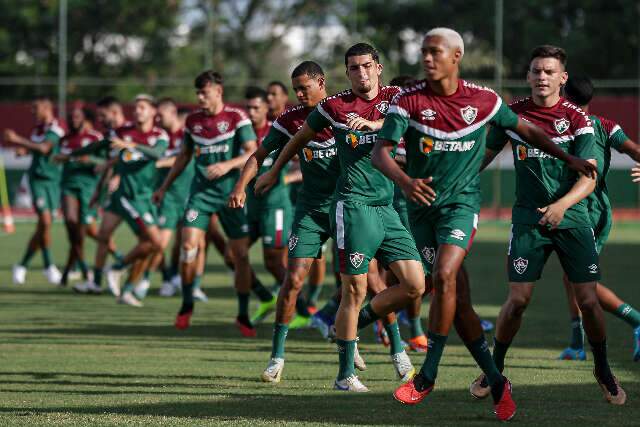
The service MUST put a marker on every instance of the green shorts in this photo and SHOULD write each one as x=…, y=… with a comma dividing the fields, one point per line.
x=531, y=245
x=450, y=225
x=170, y=213
x=363, y=232
x=271, y=224
x=45, y=194
x=601, y=222
x=310, y=230
x=138, y=213
x=88, y=215
x=400, y=205
x=199, y=210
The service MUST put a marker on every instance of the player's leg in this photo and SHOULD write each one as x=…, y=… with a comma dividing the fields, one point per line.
x=575, y=351
x=192, y=238
x=215, y=236
x=91, y=231
x=73, y=226
x=315, y=281
x=110, y=221
x=622, y=310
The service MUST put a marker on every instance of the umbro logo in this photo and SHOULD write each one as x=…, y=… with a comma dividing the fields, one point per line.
x=458, y=234
x=428, y=114
x=197, y=128
x=593, y=269
x=351, y=116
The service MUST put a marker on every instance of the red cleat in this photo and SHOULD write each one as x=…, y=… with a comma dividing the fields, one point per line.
x=183, y=320
x=419, y=343
x=246, y=328
x=505, y=409
x=408, y=394
x=312, y=310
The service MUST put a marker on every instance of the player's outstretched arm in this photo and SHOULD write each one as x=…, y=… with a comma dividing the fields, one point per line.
x=489, y=155
x=182, y=159
x=631, y=149
x=536, y=137
x=250, y=170
x=12, y=137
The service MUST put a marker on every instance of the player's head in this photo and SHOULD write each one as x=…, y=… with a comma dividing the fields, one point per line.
x=145, y=109
x=183, y=113
x=277, y=96
x=255, y=102
x=547, y=71
x=402, y=81
x=167, y=112
x=442, y=51
x=363, y=67
x=308, y=83
x=579, y=90
x=109, y=111
x=80, y=115
x=209, y=89
x=42, y=109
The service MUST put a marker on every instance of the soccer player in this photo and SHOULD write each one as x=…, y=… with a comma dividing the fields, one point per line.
x=44, y=181
x=277, y=98
x=443, y=122
x=609, y=135
x=551, y=214
x=221, y=139
x=364, y=222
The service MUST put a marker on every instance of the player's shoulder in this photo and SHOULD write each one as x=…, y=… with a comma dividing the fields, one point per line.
x=608, y=125
x=389, y=92
x=337, y=99
x=95, y=135
x=160, y=133
x=479, y=93
x=576, y=115
x=520, y=105
x=57, y=127
x=291, y=113
x=194, y=118
x=236, y=115
x=126, y=128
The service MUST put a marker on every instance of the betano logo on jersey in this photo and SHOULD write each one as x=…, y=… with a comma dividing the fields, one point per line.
x=129, y=155
x=354, y=140
x=326, y=153
x=525, y=153
x=427, y=145
x=211, y=149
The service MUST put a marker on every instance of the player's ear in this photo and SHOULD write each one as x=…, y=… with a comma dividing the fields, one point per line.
x=321, y=82
x=380, y=68
x=564, y=77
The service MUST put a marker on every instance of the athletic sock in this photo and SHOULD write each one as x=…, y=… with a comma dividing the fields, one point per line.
x=128, y=287
x=279, y=336
x=166, y=274
x=329, y=309
x=172, y=271
x=27, y=257
x=146, y=275
x=367, y=316
x=263, y=294
x=499, y=353
x=243, y=305
x=119, y=265
x=601, y=366
x=117, y=256
x=301, y=307
x=415, y=325
x=577, y=335
x=46, y=257
x=429, y=370
x=479, y=349
x=187, y=298
x=394, y=338
x=628, y=314
x=314, y=294
x=346, y=355
x=83, y=268
x=197, y=280
x=97, y=276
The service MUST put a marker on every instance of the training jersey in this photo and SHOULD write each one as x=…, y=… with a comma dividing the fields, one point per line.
x=137, y=166
x=180, y=186
x=214, y=139
x=42, y=166
x=358, y=181
x=278, y=194
x=541, y=179
x=76, y=172
x=318, y=160
x=445, y=138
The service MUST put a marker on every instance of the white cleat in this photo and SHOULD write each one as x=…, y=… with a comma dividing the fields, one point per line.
x=176, y=281
x=127, y=298
x=167, y=290
x=53, y=275
x=402, y=365
x=87, y=288
x=358, y=361
x=141, y=289
x=19, y=274
x=199, y=295
x=113, y=280
x=273, y=372
x=74, y=275
x=351, y=383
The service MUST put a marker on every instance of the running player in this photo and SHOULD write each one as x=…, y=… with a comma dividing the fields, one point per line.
x=215, y=135
x=44, y=181
x=277, y=98
x=551, y=214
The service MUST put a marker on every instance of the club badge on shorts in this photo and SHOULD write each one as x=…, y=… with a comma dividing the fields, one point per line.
x=520, y=264
x=356, y=259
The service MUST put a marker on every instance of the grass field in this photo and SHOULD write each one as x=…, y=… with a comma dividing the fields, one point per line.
x=80, y=360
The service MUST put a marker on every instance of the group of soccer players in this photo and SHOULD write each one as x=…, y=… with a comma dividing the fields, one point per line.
x=391, y=174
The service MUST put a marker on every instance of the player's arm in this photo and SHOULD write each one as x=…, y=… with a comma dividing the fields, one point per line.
x=250, y=170
x=621, y=142
x=44, y=147
x=181, y=161
x=92, y=148
x=153, y=153
x=358, y=123
x=496, y=141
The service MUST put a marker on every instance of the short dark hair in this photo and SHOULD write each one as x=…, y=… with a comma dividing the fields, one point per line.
x=255, y=92
x=308, y=68
x=579, y=89
x=89, y=114
x=280, y=85
x=208, y=77
x=361, y=49
x=402, y=81
x=184, y=110
x=167, y=100
x=549, y=51
x=107, y=101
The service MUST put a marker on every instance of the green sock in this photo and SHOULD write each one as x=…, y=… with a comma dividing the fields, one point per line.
x=97, y=276
x=119, y=265
x=330, y=308
x=429, y=370
x=117, y=256
x=263, y=294
x=415, y=324
x=346, y=355
x=128, y=287
x=196, y=282
x=314, y=294
x=279, y=336
x=27, y=257
x=628, y=314
x=499, y=353
x=394, y=337
x=479, y=349
x=146, y=274
x=83, y=268
x=46, y=257
x=187, y=298
x=243, y=304
x=366, y=316
x=577, y=336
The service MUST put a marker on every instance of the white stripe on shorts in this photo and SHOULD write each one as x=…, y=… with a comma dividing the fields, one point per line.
x=279, y=219
x=340, y=224
x=510, y=239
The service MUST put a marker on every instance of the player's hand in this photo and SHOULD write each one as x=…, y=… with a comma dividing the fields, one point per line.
x=21, y=151
x=113, y=184
x=217, y=170
x=358, y=123
x=61, y=158
x=119, y=144
x=237, y=198
x=583, y=166
x=552, y=214
x=635, y=172
x=10, y=136
x=265, y=182
x=157, y=196
x=419, y=191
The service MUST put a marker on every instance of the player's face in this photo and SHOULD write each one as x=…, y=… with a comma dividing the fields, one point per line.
x=144, y=112
x=546, y=76
x=438, y=59
x=257, y=109
x=309, y=91
x=363, y=72
x=103, y=117
x=276, y=98
x=77, y=118
x=168, y=114
x=210, y=96
x=40, y=110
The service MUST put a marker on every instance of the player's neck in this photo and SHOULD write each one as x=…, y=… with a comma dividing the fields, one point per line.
x=261, y=124
x=444, y=87
x=48, y=119
x=175, y=127
x=86, y=127
x=119, y=122
x=146, y=126
x=546, y=101
x=214, y=109
x=372, y=94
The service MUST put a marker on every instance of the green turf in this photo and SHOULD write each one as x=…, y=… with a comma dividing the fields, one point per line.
x=80, y=360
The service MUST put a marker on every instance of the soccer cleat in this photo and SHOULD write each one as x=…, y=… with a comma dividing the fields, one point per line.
x=74, y=275
x=351, y=383
x=381, y=334
x=183, y=321
x=419, y=343
x=322, y=323
x=413, y=391
x=573, y=354
x=87, y=288
x=141, y=289
x=505, y=409
x=167, y=290
x=53, y=275
x=358, y=361
x=300, y=322
x=273, y=372
x=332, y=333
x=246, y=328
x=636, y=345
x=128, y=298
x=312, y=309
x=199, y=295
x=113, y=280
x=19, y=274
x=402, y=365
x=176, y=281
x=619, y=398
x=264, y=309
x=479, y=388
x=486, y=325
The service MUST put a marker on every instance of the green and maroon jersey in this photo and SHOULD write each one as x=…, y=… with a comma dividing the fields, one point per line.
x=359, y=180
x=278, y=194
x=77, y=172
x=318, y=160
x=42, y=166
x=541, y=179
x=137, y=166
x=445, y=138
x=216, y=138
x=181, y=185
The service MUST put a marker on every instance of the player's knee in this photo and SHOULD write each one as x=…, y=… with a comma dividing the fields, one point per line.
x=519, y=302
x=588, y=303
x=188, y=253
x=444, y=280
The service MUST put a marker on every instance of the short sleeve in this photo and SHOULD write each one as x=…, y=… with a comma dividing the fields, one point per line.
x=276, y=139
x=244, y=132
x=497, y=138
x=317, y=119
x=505, y=117
x=585, y=146
x=396, y=122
